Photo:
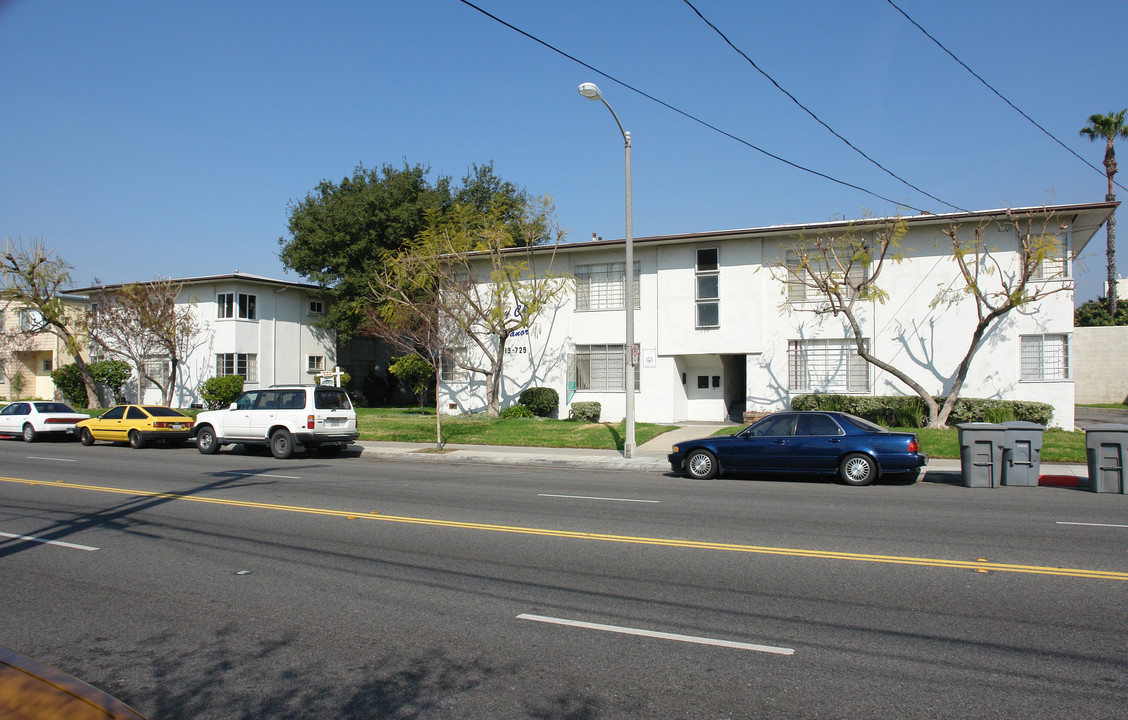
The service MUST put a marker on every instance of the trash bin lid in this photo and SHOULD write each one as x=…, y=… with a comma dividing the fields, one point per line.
x=980, y=426
x=1107, y=427
x=1024, y=425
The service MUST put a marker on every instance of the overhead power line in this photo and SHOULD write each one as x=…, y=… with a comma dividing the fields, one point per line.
x=812, y=114
x=999, y=94
x=689, y=116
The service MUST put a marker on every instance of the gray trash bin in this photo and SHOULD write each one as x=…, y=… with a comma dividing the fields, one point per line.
x=1104, y=449
x=1022, y=453
x=981, y=454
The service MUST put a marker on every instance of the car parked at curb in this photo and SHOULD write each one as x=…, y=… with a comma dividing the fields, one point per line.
x=33, y=419
x=834, y=444
x=137, y=425
x=281, y=419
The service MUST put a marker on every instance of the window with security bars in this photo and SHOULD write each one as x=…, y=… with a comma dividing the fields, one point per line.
x=449, y=368
x=1054, y=266
x=1045, y=357
x=155, y=367
x=797, y=288
x=827, y=365
x=601, y=368
x=600, y=286
x=244, y=364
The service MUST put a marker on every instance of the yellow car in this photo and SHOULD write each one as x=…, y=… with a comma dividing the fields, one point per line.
x=137, y=425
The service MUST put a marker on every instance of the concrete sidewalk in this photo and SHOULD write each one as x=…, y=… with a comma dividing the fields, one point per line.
x=649, y=457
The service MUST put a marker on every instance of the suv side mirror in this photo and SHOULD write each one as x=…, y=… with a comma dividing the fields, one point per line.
x=233, y=406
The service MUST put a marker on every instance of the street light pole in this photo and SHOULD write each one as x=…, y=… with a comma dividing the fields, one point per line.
x=591, y=92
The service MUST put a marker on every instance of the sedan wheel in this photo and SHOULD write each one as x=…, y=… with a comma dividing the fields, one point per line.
x=857, y=470
x=136, y=441
x=281, y=444
x=701, y=464
x=29, y=434
x=86, y=437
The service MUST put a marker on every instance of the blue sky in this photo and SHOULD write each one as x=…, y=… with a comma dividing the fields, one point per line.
x=145, y=139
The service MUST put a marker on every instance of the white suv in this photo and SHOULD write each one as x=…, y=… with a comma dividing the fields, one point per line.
x=319, y=417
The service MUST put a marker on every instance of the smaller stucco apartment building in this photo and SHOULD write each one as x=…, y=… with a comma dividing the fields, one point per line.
x=720, y=331
x=32, y=357
x=257, y=327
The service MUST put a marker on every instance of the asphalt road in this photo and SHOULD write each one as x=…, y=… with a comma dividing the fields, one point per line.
x=238, y=586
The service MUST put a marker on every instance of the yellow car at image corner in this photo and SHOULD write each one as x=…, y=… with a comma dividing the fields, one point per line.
x=137, y=425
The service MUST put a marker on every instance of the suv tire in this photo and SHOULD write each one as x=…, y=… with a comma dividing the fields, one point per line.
x=206, y=441
x=282, y=444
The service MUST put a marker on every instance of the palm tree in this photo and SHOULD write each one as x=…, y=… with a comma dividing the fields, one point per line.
x=1109, y=127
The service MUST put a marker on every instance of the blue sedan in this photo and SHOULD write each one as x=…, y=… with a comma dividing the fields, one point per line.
x=806, y=443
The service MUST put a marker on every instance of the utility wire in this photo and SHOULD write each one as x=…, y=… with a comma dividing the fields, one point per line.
x=1001, y=96
x=685, y=114
x=812, y=114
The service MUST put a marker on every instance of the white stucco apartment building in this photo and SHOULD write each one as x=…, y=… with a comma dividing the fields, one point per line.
x=719, y=332
x=250, y=325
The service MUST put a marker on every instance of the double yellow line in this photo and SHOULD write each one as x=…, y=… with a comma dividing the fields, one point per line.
x=976, y=565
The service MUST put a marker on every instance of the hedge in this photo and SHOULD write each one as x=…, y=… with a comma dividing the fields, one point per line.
x=910, y=410
x=588, y=411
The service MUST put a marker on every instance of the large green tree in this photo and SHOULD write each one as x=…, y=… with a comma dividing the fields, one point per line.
x=1109, y=128
x=341, y=231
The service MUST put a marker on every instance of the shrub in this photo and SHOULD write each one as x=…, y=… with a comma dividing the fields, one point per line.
x=542, y=401
x=219, y=392
x=68, y=380
x=114, y=374
x=414, y=372
x=910, y=411
x=516, y=411
x=588, y=411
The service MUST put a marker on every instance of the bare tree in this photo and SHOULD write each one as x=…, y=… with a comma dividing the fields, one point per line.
x=142, y=322
x=843, y=269
x=468, y=280
x=33, y=277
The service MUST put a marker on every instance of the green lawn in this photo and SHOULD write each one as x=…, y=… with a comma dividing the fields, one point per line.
x=1058, y=446
x=409, y=425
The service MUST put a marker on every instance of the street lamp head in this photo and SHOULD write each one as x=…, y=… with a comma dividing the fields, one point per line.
x=590, y=91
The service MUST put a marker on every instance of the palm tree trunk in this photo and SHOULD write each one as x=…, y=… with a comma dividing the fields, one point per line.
x=1110, y=232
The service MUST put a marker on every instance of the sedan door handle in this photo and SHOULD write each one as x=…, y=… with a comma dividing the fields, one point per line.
x=779, y=442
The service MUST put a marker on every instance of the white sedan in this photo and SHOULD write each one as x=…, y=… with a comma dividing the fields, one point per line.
x=37, y=417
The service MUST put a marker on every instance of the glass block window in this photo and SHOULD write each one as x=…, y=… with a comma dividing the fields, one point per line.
x=600, y=286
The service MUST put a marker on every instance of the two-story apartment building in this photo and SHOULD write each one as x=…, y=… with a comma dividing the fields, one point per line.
x=720, y=330
x=257, y=327
x=26, y=357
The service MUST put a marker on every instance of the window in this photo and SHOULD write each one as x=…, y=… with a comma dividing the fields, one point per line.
x=602, y=368
x=315, y=363
x=450, y=371
x=600, y=286
x=798, y=289
x=1054, y=266
x=244, y=364
x=316, y=307
x=157, y=368
x=827, y=366
x=708, y=293
x=46, y=365
x=1045, y=357
x=30, y=320
x=246, y=309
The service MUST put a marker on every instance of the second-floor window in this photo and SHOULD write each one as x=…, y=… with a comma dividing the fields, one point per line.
x=1055, y=265
x=315, y=363
x=708, y=292
x=600, y=286
x=316, y=307
x=240, y=305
